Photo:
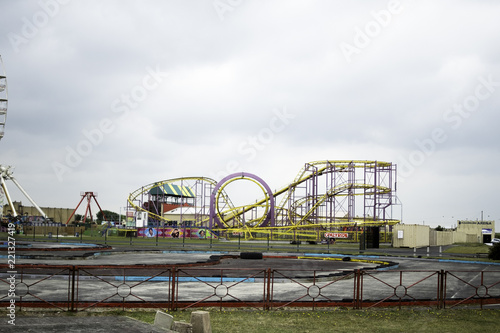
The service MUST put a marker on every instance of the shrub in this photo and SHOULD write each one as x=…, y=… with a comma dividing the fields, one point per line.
x=494, y=252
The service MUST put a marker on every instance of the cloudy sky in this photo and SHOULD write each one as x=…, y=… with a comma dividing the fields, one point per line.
x=108, y=96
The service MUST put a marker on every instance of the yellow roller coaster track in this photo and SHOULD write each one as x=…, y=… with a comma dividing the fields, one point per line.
x=296, y=222
x=336, y=191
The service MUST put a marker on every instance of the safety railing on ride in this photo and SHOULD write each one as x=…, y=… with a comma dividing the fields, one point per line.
x=81, y=288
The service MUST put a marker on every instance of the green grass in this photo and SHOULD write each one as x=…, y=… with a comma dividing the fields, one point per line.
x=194, y=244
x=340, y=247
x=468, y=248
x=335, y=320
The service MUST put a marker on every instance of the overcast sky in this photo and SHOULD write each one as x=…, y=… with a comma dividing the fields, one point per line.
x=108, y=96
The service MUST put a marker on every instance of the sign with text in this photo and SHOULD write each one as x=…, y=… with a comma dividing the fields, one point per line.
x=336, y=235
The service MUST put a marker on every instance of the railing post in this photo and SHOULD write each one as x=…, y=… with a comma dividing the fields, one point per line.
x=72, y=292
x=173, y=288
x=267, y=297
x=482, y=284
x=357, y=289
x=441, y=292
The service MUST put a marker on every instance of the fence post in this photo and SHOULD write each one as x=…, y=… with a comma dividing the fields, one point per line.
x=173, y=288
x=357, y=289
x=72, y=291
x=267, y=298
x=441, y=291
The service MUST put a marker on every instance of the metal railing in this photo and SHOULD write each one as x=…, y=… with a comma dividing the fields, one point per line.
x=79, y=288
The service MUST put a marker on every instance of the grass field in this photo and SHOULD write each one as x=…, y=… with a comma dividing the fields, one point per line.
x=235, y=245
x=194, y=244
x=335, y=320
x=468, y=248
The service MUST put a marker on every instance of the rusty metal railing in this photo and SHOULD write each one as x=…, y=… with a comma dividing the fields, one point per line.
x=400, y=288
x=466, y=287
x=83, y=287
x=334, y=288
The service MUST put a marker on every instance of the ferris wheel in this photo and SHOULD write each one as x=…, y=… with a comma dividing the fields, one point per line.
x=7, y=171
x=3, y=98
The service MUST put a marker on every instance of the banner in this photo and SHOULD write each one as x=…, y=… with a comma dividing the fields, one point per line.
x=336, y=235
x=172, y=232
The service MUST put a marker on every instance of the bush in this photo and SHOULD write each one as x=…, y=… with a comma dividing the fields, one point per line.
x=494, y=253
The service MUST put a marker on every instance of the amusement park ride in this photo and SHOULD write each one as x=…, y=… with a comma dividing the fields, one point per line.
x=325, y=196
x=88, y=210
x=7, y=171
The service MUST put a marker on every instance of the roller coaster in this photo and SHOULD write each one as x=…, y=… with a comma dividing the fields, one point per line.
x=324, y=196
